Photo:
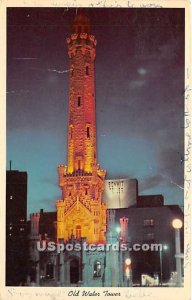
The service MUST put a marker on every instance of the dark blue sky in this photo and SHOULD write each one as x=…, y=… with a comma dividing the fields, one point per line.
x=139, y=72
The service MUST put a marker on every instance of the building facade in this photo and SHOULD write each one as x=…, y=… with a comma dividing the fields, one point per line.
x=70, y=247
x=16, y=227
x=81, y=212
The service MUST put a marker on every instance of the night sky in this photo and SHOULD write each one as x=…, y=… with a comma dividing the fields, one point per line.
x=139, y=72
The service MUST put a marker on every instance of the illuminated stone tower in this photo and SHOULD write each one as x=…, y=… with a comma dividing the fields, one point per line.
x=81, y=212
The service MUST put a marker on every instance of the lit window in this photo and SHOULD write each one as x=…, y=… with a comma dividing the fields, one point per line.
x=149, y=222
x=10, y=227
x=149, y=236
x=97, y=269
x=11, y=197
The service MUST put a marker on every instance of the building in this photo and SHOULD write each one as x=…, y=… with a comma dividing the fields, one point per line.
x=150, y=222
x=16, y=227
x=81, y=212
x=120, y=193
x=91, y=207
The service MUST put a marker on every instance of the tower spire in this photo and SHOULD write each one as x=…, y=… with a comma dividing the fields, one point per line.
x=81, y=127
x=81, y=22
x=81, y=208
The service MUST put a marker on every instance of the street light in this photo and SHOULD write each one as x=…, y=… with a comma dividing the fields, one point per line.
x=128, y=270
x=177, y=225
x=118, y=229
x=128, y=261
x=164, y=247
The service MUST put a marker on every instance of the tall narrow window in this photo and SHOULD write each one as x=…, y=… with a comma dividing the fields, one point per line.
x=88, y=132
x=79, y=164
x=79, y=101
x=87, y=70
x=71, y=132
x=79, y=29
x=78, y=231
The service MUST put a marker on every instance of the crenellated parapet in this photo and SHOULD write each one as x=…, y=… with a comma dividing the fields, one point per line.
x=81, y=42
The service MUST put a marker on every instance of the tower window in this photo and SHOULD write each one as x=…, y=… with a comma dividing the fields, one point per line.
x=88, y=132
x=79, y=164
x=79, y=101
x=79, y=29
x=97, y=269
x=78, y=231
x=87, y=70
x=71, y=132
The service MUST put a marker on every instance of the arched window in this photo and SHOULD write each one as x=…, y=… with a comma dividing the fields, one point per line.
x=78, y=231
x=97, y=269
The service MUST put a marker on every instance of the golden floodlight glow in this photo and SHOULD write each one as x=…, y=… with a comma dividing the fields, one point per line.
x=177, y=223
x=128, y=261
x=81, y=211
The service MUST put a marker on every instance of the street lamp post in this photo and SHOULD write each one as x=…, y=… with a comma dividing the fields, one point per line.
x=118, y=230
x=177, y=225
x=164, y=247
x=128, y=270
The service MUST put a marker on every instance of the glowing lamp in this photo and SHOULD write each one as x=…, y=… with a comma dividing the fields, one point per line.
x=177, y=223
x=128, y=261
x=118, y=229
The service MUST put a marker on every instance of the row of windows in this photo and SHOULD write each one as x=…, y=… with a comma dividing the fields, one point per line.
x=87, y=132
x=149, y=236
x=87, y=71
x=82, y=29
x=149, y=222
